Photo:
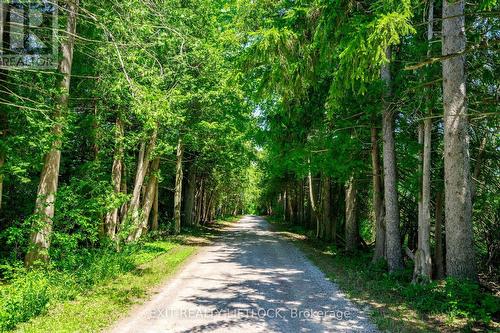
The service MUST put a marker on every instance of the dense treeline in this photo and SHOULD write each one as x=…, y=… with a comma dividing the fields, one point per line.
x=143, y=127
x=383, y=116
x=372, y=124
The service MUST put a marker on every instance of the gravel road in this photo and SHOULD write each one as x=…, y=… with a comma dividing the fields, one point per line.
x=250, y=280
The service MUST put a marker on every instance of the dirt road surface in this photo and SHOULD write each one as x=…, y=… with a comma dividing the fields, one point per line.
x=250, y=280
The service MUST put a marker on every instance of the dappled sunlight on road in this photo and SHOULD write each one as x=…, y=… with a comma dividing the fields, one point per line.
x=251, y=279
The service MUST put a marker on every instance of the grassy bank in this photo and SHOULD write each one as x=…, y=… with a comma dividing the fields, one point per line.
x=96, y=289
x=397, y=305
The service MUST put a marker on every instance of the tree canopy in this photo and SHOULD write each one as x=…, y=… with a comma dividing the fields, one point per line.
x=371, y=124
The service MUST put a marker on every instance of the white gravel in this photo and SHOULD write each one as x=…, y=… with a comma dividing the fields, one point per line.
x=250, y=280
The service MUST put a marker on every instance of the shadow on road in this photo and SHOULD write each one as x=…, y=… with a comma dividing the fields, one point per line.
x=274, y=285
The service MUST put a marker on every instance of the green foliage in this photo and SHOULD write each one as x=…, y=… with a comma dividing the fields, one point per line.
x=395, y=296
x=74, y=271
x=167, y=68
x=23, y=299
x=264, y=93
x=457, y=299
x=363, y=52
x=314, y=70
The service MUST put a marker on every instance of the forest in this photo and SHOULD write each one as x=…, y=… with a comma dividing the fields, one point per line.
x=371, y=127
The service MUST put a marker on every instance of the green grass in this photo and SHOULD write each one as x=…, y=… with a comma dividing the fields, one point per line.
x=89, y=292
x=105, y=304
x=396, y=304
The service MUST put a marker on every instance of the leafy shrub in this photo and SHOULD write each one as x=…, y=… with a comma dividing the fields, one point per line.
x=73, y=271
x=27, y=296
x=459, y=299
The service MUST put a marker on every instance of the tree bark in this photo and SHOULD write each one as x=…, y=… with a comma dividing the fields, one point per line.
x=314, y=207
x=143, y=163
x=301, y=202
x=190, y=193
x=393, y=237
x=378, y=200
x=2, y=162
x=286, y=204
x=326, y=208
x=111, y=221
x=154, y=224
x=208, y=207
x=124, y=191
x=419, y=168
x=203, y=203
x=290, y=202
x=351, y=226
x=46, y=195
x=199, y=202
x=423, y=261
x=4, y=125
x=335, y=196
x=460, y=256
x=178, y=186
x=439, y=266
x=149, y=198
x=140, y=174
x=3, y=134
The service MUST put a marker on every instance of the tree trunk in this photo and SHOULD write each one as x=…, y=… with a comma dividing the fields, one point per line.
x=378, y=200
x=203, y=205
x=111, y=221
x=393, y=237
x=190, y=193
x=2, y=161
x=290, y=202
x=335, y=197
x=301, y=202
x=154, y=224
x=439, y=252
x=140, y=174
x=204, y=201
x=4, y=125
x=419, y=168
x=124, y=191
x=149, y=198
x=326, y=208
x=199, y=203
x=208, y=207
x=351, y=226
x=460, y=256
x=178, y=186
x=150, y=195
x=423, y=261
x=3, y=134
x=47, y=189
x=286, y=204
x=314, y=208
x=143, y=162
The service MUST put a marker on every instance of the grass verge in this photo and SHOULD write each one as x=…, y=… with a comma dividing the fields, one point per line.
x=99, y=291
x=397, y=305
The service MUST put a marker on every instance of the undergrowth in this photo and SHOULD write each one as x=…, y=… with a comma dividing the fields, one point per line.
x=447, y=305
